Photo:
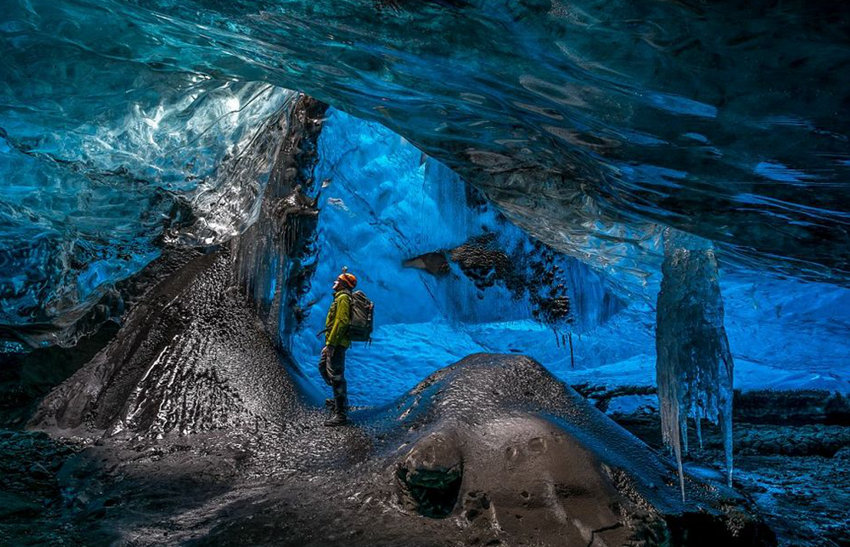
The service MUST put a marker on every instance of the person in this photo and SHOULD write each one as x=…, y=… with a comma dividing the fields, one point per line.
x=332, y=360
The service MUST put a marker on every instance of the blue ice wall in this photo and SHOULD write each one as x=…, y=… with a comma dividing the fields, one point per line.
x=384, y=201
x=786, y=333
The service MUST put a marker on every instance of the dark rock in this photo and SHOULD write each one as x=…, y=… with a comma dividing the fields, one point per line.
x=207, y=436
x=435, y=263
x=533, y=272
x=804, y=440
x=792, y=407
x=484, y=263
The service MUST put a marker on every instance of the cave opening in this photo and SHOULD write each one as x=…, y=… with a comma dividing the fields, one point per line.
x=433, y=493
x=646, y=203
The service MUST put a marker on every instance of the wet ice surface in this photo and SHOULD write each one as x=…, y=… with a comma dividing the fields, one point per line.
x=804, y=499
x=384, y=202
x=194, y=429
x=219, y=485
x=586, y=122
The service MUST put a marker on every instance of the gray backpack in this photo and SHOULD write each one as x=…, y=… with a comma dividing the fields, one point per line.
x=362, y=317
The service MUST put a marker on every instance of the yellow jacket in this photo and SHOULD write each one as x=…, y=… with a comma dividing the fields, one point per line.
x=336, y=323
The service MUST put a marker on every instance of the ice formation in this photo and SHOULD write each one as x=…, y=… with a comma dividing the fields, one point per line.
x=694, y=367
x=275, y=257
x=588, y=123
x=383, y=201
x=93, y=185
x=592, y=126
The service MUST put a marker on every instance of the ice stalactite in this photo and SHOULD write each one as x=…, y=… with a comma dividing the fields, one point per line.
x=694, y=366
x=275, y=258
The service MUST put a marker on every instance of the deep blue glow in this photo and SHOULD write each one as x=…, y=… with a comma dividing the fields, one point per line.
x=588, y=124
x=569, y=116
x=385, y=202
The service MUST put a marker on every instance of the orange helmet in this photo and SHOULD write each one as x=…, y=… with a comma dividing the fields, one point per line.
x=347, y=279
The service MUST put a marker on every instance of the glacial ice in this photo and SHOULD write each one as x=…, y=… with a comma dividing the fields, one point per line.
x=92, y=183
x=414, y=204
x=129, y=125
x=382, y=201
x=695, y=365
x=588, y=124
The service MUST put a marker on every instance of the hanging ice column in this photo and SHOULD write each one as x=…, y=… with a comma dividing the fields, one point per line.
x=694, y=365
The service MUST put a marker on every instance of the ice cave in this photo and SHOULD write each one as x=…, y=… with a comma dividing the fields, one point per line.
x=424, y=273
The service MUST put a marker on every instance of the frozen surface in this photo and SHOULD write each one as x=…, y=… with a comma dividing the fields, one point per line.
x=383, y=201
x=694, y=363
x=588, y=123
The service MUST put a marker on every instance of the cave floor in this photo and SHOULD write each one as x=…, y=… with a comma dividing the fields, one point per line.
x=49, y=495
x=803, y=497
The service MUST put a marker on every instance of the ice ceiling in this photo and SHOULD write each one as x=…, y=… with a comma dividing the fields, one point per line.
x=127, y=123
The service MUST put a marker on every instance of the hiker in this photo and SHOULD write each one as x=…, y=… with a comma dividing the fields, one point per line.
x=337, y=340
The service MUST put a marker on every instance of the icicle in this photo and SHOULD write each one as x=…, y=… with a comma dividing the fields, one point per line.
x=670, y=431
x=725, y=412
x=694, y=364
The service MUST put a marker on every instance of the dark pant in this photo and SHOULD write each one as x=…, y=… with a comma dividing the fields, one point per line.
x=332, y=369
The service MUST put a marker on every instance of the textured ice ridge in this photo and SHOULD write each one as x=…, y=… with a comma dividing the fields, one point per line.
x=694, y=365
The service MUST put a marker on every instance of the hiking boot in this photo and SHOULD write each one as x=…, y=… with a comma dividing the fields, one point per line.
x=338, y=418
x=340, y=407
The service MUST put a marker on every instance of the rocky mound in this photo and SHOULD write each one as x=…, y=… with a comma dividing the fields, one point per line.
x=204, y=435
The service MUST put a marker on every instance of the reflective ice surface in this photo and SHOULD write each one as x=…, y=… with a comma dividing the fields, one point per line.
x=94, y=176
x=586, y=122
x=124, y=123
x=383, y=201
